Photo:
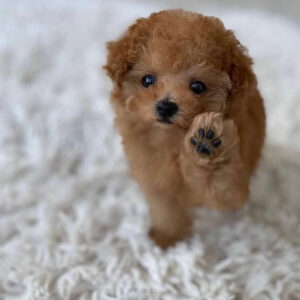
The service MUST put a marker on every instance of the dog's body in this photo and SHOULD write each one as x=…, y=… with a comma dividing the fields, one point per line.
x=194, y=130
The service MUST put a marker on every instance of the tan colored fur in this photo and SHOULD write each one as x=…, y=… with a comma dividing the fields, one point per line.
x=178, y=47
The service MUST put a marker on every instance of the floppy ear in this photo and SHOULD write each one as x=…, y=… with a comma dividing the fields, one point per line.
x=122, y=54
x=240, y=69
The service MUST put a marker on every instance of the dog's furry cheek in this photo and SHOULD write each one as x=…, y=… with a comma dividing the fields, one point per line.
x=141, y=110
x=130, y=104
x=184, y=122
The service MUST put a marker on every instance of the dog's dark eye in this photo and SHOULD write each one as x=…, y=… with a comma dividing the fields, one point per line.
x=197, y=87
x=148, y=80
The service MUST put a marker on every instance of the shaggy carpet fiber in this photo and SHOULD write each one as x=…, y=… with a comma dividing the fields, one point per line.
x=73, y=224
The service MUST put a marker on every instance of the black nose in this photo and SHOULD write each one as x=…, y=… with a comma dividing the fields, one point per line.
x=166, y=108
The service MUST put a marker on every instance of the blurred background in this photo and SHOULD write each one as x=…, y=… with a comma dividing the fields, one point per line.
x=73, y=225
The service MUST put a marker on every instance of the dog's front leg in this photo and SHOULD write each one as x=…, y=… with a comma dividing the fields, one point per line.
x=170, y=220
x=211, y=164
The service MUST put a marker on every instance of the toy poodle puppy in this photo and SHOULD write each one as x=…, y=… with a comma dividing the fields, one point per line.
x=190, y=115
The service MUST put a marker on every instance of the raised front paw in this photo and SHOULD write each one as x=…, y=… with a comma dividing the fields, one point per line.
x=210, y=136
x=206, y=141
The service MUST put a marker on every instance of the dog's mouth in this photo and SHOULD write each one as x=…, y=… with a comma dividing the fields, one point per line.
x=165, y=120
x=169, y=122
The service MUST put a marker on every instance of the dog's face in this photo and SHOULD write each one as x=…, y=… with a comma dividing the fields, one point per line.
x=175, y=65
x=166, y=87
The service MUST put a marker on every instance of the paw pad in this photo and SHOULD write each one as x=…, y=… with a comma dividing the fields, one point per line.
x=193, y=141
x=201, y=133
x=210, y=134
x=216, y=143
x=202, y=149
x=204, y=142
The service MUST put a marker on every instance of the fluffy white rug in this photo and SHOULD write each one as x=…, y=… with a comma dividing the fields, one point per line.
x=73, y=224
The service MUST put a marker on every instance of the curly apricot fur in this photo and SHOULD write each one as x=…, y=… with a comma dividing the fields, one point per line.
x=178, y=47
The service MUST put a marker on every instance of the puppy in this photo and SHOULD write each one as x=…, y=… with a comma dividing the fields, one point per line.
x=190, y=115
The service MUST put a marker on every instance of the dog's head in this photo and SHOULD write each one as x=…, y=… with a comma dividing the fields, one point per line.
x=175, y=64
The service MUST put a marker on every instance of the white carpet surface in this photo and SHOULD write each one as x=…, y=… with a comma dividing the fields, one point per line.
x=73, y=224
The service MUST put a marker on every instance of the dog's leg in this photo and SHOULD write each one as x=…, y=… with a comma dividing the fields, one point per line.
x=170, y=220
x=211, y=164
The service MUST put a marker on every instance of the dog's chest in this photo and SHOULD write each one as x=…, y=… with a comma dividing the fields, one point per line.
x=154, y=159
